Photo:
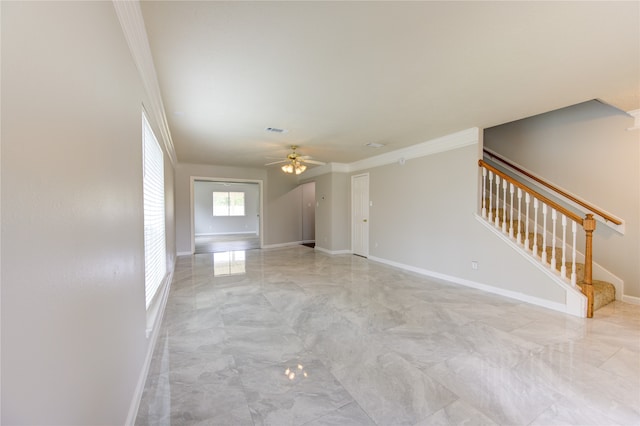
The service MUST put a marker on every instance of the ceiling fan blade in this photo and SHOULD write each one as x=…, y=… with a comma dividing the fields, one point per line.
x=319, y=163
x=277, y=162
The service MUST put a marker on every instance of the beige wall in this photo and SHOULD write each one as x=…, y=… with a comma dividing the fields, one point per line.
x=587, y=150
x=73, y=306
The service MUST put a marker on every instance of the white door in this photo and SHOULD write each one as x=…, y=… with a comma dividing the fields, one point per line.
x=360, y=214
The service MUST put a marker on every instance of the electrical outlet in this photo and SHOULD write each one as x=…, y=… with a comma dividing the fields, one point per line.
x=474, y=264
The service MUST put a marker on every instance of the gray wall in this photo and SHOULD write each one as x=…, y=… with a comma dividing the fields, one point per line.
x=183, y=175
x=587, y=150
x=308, y=211
x=333, y=229
x=207, y=224
x=73, y=305
x=283, y=200
x=423, y=216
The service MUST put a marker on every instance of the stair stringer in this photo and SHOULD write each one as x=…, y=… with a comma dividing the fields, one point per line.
x=599, y=271
x=575, y=301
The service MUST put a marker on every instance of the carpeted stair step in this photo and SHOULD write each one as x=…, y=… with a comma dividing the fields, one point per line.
x=604, y=292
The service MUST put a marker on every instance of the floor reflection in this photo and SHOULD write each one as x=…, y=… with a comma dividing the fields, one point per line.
x=219, y=243
x=229, y=263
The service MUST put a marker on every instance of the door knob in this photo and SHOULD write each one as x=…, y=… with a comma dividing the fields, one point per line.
x=364, y=220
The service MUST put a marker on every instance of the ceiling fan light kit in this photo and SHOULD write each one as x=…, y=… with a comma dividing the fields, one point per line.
x=294, y=162
x=294, y=167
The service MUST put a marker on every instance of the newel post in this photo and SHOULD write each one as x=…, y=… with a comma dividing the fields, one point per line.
x=589, y=225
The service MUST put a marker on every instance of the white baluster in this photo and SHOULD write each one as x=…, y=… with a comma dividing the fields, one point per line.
x=527, y=202
x=511, y=190
x=543, y=256
x=554, y=218
x=573, y=262
x=497, y=218
x=563, y=268
x=484, y=192
x=490, y=192
x=535, y=227
x=519, y=215
x=504, y=206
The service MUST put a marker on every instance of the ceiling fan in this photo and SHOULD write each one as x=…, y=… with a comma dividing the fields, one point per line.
x=294, y=163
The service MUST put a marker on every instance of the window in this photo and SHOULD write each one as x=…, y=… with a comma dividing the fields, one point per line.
x=228, y=203
x=155, y=257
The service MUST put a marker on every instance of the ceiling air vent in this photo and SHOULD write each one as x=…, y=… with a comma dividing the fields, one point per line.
x=275, y=130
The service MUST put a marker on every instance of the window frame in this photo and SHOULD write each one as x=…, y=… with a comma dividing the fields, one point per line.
x=154, y=224
x=229, y=206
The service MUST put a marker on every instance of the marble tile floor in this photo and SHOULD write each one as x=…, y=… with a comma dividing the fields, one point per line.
x=298, y=337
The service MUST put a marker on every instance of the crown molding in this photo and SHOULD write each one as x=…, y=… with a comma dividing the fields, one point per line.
x=132, y=23
x=636, y=116
x=433, y=146
x=323, y=170
x=445, y=143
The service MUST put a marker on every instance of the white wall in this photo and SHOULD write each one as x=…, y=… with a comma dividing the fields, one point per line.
x=587, y=150
x=73, y=306
x=205, y=223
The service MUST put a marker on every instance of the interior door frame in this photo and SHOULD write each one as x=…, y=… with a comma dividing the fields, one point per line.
x=353, y=214
x=193, y=180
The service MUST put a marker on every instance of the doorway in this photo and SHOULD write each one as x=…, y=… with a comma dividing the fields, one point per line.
x=309, y=214
x=360, y=214
x=226, y=215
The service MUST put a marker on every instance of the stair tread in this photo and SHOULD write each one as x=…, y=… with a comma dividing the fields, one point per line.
x=604, y=292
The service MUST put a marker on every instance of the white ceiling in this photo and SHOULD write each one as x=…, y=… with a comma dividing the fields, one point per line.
x=338, y=75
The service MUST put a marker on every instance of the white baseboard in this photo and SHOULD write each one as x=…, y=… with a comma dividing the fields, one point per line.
x=484, y=287
x=152, y=335
x=332, y=252
x=631, y=299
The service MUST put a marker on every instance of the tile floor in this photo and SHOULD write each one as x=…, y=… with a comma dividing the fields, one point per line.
x=218, y=243
x=296, y=337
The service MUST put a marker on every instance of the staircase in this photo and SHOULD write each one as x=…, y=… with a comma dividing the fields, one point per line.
x=604, y=292
x=546, y=230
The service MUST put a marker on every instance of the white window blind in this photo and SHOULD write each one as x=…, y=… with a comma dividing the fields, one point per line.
x=155, y=258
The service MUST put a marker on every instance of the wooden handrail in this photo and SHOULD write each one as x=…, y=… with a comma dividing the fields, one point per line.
x=554, y=188
x=537, y=195
x=588, y=223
